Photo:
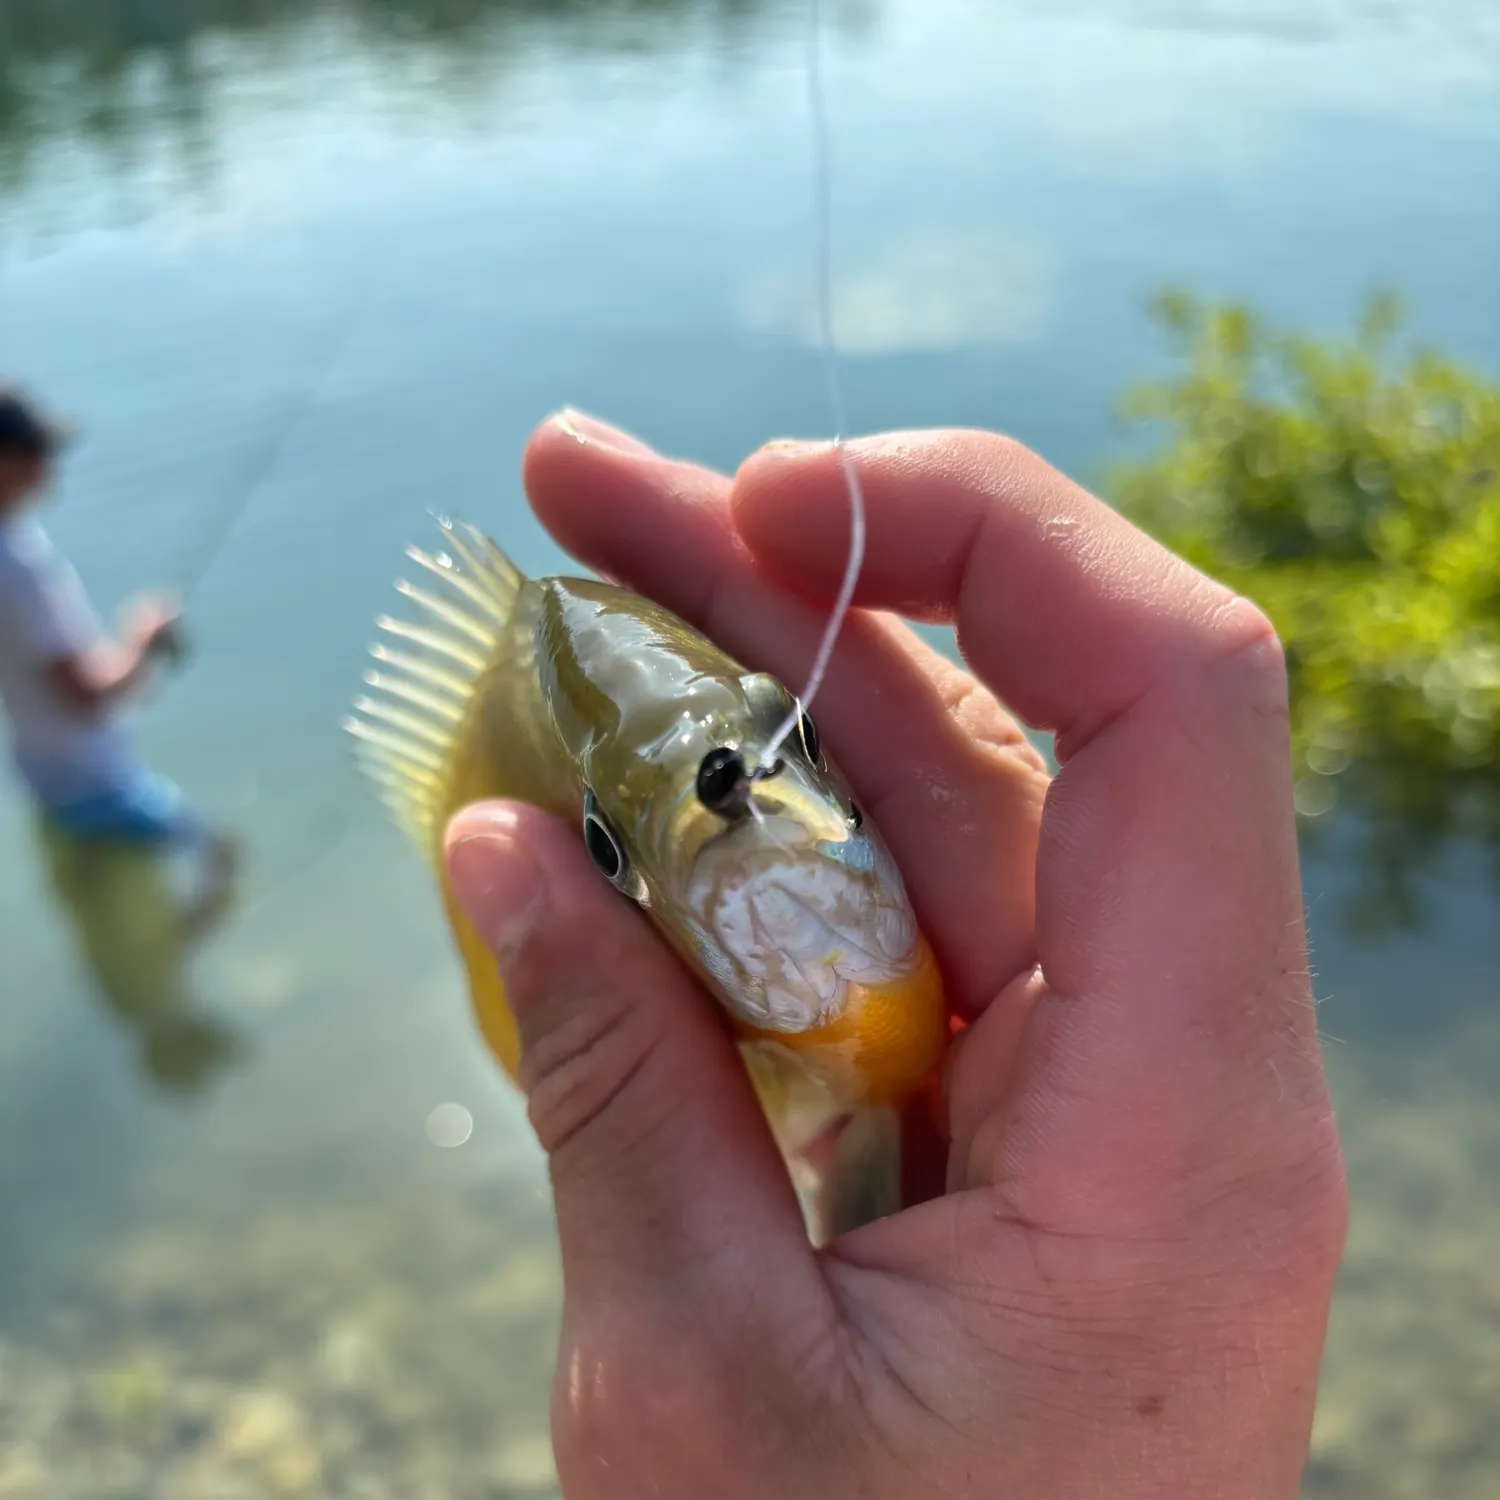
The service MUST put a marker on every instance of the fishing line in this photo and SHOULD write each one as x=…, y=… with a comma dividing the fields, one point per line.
x=823, y=209
x=225, y=518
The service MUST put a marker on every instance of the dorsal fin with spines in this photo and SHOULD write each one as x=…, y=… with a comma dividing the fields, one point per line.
x=410, y=723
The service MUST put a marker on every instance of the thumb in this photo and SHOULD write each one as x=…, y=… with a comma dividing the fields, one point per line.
x=664, y=1172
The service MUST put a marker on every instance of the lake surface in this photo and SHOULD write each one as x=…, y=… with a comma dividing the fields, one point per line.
x=304, y=272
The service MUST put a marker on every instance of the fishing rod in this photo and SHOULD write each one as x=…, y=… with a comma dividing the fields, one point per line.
x=195, y=566
x=224, y=518
x=264, y=459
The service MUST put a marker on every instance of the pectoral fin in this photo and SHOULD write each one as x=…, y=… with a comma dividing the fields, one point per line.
x=845, y=1164
x=858, y=1178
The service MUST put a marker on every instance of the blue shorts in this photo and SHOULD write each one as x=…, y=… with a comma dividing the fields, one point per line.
x=151, y=810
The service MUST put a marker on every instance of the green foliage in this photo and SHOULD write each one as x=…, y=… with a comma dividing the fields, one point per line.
x=1352, y=489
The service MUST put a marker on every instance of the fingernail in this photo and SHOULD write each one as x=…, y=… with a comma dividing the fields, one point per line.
x=591, y=432
x=495, y=880
x=795, y=447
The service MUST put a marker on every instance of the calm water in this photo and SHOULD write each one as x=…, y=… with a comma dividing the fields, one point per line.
x=314, y=269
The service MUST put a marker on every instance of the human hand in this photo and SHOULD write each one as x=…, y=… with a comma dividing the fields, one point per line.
x=153, y=628
x=1123, y=1290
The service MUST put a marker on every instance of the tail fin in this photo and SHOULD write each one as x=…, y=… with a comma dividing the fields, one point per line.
x=411, y=723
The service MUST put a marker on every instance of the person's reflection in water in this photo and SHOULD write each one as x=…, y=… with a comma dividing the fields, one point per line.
x=136, y=933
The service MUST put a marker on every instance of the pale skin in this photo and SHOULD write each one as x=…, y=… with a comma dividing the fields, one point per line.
x=1122, y=1287
x=91, y=682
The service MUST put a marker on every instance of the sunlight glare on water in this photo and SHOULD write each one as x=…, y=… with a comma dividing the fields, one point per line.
x=449, y=1125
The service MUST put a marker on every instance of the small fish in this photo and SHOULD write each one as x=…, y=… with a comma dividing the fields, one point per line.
x=607, y=710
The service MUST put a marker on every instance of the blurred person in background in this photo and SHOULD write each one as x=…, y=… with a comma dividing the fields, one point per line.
x=66, y=685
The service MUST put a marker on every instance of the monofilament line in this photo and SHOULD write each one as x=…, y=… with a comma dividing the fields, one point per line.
x=823, y=210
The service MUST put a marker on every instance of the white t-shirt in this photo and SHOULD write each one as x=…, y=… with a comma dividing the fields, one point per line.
x=45, y=616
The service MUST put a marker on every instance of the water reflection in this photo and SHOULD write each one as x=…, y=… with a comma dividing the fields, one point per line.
x=106, y=70
x=104, y=36
x=137, y=935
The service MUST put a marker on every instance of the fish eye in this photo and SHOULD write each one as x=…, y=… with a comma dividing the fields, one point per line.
x=811, y=746
x=604, y=848
x=856, y=819
x=722, y=781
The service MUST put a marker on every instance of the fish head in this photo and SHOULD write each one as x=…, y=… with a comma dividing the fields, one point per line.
x=772, y=883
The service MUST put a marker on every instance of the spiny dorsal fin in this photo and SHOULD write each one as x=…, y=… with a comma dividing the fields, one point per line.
x=420, y=691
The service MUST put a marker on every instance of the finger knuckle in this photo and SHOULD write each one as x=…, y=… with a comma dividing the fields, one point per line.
x=1240, y=645
x=1312, y=1190
x=984, y=727
x=576, y=1066
x=996, y=456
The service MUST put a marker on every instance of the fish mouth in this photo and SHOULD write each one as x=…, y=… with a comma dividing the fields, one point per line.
x=794, y=925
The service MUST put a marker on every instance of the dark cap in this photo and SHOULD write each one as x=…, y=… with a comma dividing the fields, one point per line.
x=24, y=429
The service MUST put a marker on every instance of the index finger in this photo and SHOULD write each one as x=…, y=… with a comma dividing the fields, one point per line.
x=1167, y=882
x=944, y=774
x=1063, y=606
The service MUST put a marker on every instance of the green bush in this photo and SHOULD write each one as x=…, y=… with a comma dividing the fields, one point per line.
x=1352, y=489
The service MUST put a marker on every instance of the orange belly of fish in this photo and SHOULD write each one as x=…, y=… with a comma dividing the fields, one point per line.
x=886, y=1043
